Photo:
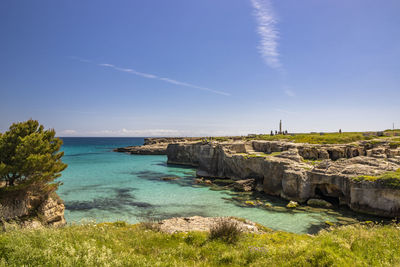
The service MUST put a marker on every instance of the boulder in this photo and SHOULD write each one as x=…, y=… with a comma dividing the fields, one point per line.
x=319, y=203
x=245, y=185
x=198, y=223
x=292, y=204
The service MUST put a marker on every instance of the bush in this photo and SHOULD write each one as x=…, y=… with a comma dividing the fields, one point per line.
x=226, y=230
x=152, y=226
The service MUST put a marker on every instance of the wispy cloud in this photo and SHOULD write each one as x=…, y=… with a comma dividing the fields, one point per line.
x=289, y=92
x=269, y=35
x=164, y=79
x=68, y=132
x=284, y=111
x=155, y=77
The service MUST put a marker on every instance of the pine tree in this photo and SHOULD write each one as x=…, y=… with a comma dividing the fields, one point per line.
x=30, y=157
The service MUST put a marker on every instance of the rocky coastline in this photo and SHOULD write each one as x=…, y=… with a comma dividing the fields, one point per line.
x=155, y=146
x=30, y=210
x=300, y=172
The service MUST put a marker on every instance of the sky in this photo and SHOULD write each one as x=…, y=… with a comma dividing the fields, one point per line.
x=200, y=68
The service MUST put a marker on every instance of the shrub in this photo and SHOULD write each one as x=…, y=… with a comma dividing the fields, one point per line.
x=226, y=230
x=150, y=225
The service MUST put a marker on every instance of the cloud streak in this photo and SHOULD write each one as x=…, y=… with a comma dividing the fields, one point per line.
x=164, y=79
x=269, y=35
x=152, y=76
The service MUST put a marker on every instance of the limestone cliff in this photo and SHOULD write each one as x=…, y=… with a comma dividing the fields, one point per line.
x=32, y=210
x=155, y=146
x=302, y=171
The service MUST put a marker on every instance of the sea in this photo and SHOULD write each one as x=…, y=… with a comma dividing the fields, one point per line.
x=100, y=185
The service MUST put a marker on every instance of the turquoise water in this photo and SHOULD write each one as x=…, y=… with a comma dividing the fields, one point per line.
x=102, y=185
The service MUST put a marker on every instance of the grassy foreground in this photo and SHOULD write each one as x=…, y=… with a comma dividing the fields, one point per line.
x=119, y=244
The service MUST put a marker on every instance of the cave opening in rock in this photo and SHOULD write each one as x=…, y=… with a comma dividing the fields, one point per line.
x=328, y=193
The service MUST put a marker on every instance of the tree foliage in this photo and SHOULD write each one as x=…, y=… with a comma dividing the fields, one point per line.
x=30, y=157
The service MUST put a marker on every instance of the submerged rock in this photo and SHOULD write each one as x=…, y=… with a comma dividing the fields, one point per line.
x=250, y=203
x=292, y=204
x=198, y=180
x=319, y=203
x=169, y=178
x=224, y=182
x=246, y=185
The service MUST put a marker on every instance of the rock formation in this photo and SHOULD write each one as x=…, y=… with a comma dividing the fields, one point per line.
x=198, y=223
x=300, y=172
x=32, y=210
x=154, y=146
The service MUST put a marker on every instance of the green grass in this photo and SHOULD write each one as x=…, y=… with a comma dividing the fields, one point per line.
x=220, y=139
x=316, y=138
x=389, y=179
x=258, y=155
x=395, y=131
x=129, y=245
x=312, y=162
x=394, y=144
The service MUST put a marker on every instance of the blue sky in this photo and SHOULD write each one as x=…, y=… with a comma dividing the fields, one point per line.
x=190, y=68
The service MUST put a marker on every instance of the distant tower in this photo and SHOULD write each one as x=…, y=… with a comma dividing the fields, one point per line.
x=280, y=127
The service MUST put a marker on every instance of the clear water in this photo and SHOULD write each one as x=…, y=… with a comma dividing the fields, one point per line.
x=102, y=185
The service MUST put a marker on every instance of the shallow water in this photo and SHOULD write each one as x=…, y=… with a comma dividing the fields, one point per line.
x=102, y=185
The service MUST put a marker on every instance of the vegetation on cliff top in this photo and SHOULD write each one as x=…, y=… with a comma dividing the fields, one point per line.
x=327, y=138
x=30, y=157
x=119, y=244
x=316, y=138
x=390, y=179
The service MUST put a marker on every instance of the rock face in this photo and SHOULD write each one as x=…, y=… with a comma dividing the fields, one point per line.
x=197, y=223
x=33, y=211
x=299, y=172
x=154, y=146
x=51, y=211
x=144, y=150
